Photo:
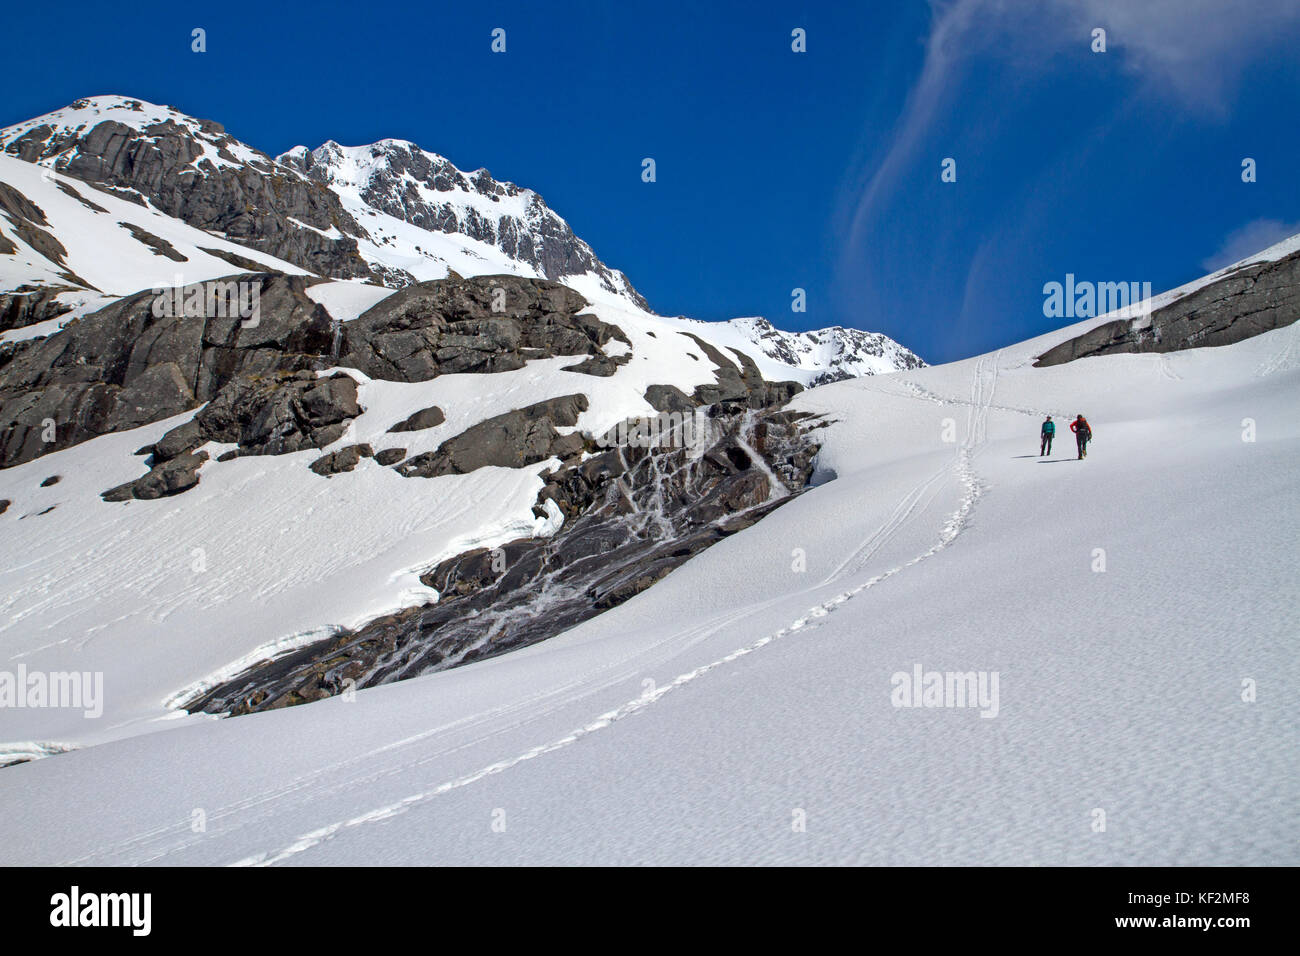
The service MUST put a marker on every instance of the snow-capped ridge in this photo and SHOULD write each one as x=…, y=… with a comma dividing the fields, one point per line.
x=417, y=187
x=53, y=134
x=814, y=357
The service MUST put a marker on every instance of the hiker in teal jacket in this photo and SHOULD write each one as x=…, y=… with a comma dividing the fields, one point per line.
x=1049, y=430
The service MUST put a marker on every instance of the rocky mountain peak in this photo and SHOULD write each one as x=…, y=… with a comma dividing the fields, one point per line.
x=426, y=190
x=312, y=208
x=389, y=212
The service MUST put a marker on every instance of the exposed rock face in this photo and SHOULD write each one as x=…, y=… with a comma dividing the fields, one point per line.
x=601, y=366
x=160, y=246
x=164, y=479
x=426, y=190
x=124, y=366
x=1247, y=302
x=27, y=306
x=269, y=415
x=450, y=325
x=345, y=459
x=193, y=170
x=430, y=417
x=635, y=514
x=668, y=398
x=518, y=438
x=744, y=385
x=390, y=456
x=127, y=366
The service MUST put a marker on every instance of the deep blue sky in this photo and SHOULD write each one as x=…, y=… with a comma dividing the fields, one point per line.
x=775, y=169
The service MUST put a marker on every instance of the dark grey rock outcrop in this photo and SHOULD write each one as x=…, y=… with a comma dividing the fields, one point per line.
x=430, y=417
x=740, y=385
x=269, y=415
x=160, y=246
x=483, y=324
x=1252, y=300
x=669, y=398
x=28, y=305
x=345, y=459
x=125, y=366
x=518, y=438
x=163, y=480
x=601, y=366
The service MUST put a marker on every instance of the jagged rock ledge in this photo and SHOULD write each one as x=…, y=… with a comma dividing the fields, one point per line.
x=1246, y=302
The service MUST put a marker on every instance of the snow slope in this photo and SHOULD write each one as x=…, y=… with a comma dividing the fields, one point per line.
x=697, y=721
x=264, y=554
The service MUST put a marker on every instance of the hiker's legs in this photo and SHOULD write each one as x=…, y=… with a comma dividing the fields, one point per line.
x=1042, y=447
x=1049, y=443
x=1083, y=445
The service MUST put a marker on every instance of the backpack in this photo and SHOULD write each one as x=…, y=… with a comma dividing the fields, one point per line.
x=1084, y=428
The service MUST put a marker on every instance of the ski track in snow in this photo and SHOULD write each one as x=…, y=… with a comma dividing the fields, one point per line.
x=1285, y=358
x=913, y=390
x=983, y=387
x=235, y=816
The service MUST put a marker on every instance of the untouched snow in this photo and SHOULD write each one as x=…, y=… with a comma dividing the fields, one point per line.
x=346, y=301
x=697, y=721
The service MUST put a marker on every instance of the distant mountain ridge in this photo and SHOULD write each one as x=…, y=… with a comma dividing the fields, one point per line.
x=831, y=354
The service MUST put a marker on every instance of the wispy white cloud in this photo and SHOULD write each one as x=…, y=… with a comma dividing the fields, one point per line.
x=1190, y=50
x=1249, y=239
x=1187, y=55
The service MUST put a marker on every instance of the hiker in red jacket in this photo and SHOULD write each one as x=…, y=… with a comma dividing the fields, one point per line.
x=1082, y=434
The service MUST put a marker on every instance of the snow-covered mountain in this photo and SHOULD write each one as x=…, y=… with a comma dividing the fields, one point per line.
x=192, y=170
x=827, y=355
x=156, y=195
x=434, y=538
x=394, y=181
x=389, y=212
